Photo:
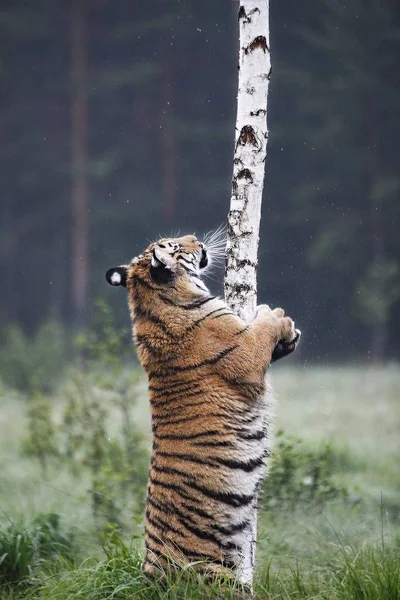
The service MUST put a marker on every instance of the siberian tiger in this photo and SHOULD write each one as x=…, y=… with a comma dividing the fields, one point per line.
x=206, y=370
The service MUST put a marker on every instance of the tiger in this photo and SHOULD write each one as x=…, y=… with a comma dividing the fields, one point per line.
x=208, y=394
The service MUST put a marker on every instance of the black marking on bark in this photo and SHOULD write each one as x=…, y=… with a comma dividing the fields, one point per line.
x=259, y=42
x=247, y=136
x=240, y=264
x=260, y=112
x=242, y=13
x=242, y=288
x=269, y=74
x=246, y=16
x=245, y=174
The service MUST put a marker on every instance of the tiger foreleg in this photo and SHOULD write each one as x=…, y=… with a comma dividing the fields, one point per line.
x=277, y=331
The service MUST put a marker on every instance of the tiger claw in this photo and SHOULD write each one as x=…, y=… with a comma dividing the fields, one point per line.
x=284, y=348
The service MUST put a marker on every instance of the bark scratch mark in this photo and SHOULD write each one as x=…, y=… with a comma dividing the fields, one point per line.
x=259, y=42
x=247, y=136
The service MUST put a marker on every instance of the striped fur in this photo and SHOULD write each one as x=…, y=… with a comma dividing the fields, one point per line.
x=206, y=370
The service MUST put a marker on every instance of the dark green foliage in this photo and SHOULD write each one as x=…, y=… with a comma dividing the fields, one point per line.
x=25, y=548
x=299, y=476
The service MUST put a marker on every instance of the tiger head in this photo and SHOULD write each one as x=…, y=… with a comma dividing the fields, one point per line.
x=174, y=264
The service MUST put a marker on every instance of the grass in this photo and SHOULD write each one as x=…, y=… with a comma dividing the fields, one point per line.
x=349, y=550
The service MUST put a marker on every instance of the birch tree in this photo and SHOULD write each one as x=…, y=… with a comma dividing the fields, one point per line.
x=247, y=185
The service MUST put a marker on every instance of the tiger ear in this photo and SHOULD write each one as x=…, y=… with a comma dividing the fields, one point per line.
x=117, y=275
x=159, y=271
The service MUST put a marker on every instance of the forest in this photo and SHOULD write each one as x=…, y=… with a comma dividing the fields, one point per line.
x=117, y=124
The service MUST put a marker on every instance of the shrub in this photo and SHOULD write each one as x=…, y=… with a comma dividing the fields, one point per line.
x=299, y=475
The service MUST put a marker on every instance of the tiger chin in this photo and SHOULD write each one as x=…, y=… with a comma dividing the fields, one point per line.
x=206, y=371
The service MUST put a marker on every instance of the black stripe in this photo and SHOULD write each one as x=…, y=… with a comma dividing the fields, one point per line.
x=229, y=498
x=171, y=487
x=199, y=287
x=216, y=461
x=192, y=555
x=153, y=538
x=187, y=458
x=253, y=390
x=216, y=444
x=158, y=523
x=247, y=466
x=167, y=301
x=232, y=529
x=191, y=306
x=186, y=552
x=166, y=388
x=138, y=311
x=209, y=361
x=187, y=419
x=164, y=419
x=198, y=303
x=176, y=511
x=258, y=435
x=190, y=271
x=179, y=409
x=223, y=315
x=206, y=535
x=187, y=436
x=188, y=262
x=196, y=323
x=167, y=509
x=229, y=530
x=171, y=471
x=142, y=340
x=245, y=328
x=156, y=552
x=198, y=511
x=175, y=395
x=174, y=392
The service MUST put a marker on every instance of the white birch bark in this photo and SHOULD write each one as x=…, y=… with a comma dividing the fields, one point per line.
x=249, y=158
x=247, y=184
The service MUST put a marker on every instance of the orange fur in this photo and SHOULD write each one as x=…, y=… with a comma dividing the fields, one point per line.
x=207, y=386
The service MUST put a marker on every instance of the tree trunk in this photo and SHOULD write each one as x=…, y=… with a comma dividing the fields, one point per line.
x=79, y=162
x=247, y=185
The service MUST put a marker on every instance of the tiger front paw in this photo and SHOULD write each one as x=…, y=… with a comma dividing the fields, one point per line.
x=286, y=335
x=284, y=348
